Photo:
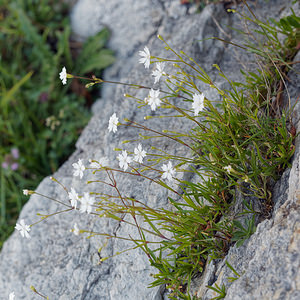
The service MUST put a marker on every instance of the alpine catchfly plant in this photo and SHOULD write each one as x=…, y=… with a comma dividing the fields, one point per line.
x=235, y=145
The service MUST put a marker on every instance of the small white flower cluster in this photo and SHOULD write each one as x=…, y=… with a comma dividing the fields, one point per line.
x=79, y=167
x=11, y=296
x=146, y=60
x=152, y=99
x=86, y=206
x=125, y=160
x=86, y=201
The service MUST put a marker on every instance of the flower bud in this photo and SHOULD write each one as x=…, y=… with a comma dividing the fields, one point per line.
x=160, y=37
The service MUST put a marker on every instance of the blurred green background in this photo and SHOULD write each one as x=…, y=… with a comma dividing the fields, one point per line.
x=40, y=119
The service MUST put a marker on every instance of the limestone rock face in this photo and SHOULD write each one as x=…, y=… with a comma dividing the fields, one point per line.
x=64, y=266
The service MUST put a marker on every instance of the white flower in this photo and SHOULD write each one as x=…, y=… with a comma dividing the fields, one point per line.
x=153, y=99
x=102, y=162
x=73, y=197
x=145, y=59
x=11, y=296
x=158, y=72
x=63, y=75
x=169, y=172
x=198, y=103
x=25, y=192
x=229, y=169
x=86, y=203
x=23, y=228
x=76, y=229
x=139, y=154
x=113, y=123
x=79, y=168
x=124, y=160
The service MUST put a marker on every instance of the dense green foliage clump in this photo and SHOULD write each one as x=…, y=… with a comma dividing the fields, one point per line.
x=40, y=119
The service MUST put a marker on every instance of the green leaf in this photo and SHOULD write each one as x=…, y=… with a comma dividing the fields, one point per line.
x=9, y=95
x=294, y=21
x=98, y=62
x=285, y=25
x=93, y=56
x=95, y=43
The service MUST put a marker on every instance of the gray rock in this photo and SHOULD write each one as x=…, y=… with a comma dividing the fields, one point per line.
x=292, y=97
x=64, y=266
